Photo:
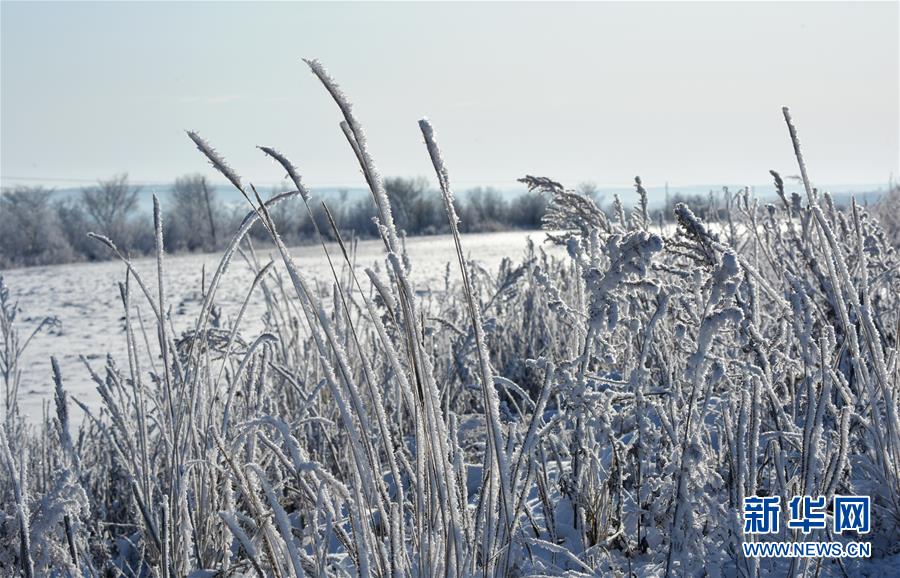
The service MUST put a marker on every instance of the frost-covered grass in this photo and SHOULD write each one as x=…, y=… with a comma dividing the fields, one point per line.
x=603, y=413
x=84, y=297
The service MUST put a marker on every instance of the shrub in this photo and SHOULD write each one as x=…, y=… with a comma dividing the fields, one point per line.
x=29, y=229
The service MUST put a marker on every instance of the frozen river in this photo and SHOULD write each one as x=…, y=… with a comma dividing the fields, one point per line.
x=85, y=299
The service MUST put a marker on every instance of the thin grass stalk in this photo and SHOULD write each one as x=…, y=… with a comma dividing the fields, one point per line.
x=360, y=147
x=491, y=400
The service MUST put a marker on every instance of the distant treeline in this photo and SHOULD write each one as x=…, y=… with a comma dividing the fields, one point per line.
x=39, y=228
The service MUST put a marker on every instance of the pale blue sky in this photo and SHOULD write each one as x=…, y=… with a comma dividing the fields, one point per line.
x=679, y=92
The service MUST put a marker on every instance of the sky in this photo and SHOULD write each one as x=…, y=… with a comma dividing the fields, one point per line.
x=677, y=92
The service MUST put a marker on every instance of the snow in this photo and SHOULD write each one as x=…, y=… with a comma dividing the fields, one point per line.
x=85, y=299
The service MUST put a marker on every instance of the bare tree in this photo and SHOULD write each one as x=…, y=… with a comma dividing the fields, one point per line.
x=194, y=212
x=590, y=190
x=29, y=230
x=413, y=209
x=109, y=204
x=484, y=209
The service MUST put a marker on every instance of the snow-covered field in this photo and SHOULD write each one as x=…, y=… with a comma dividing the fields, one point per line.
x=85, y=299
